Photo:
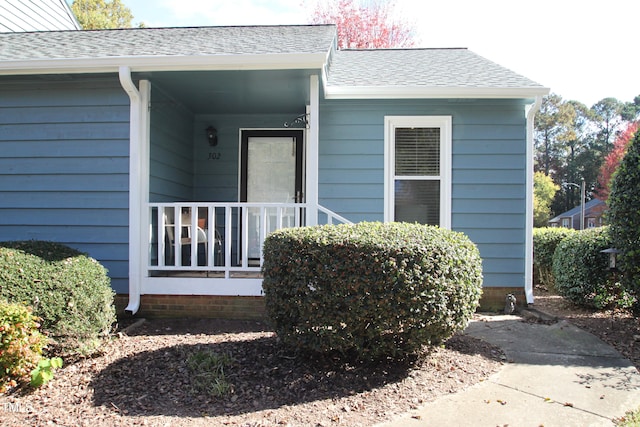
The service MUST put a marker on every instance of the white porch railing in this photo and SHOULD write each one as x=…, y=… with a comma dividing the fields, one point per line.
x=222, y=238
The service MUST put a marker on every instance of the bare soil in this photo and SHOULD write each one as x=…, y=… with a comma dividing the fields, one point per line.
x=141, y=378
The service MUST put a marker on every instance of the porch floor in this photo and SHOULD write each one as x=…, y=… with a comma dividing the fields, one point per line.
x=209, y=274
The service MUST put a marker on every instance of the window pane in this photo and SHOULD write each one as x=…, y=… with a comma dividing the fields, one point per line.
x=417, y=201
x=417, y=151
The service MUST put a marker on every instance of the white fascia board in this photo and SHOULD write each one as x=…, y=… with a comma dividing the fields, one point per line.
x=164, y=63
x=421, y=92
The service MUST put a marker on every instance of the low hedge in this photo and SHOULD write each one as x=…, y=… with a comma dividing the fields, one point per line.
x=370, y=290
x=582, y=272
x=545, y=241
x=69, y=291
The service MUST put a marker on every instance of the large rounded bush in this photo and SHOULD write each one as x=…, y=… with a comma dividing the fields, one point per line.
x=69, y=291
x=582, y=272
x=624, y=217
x=545, y=241
x=370, y=290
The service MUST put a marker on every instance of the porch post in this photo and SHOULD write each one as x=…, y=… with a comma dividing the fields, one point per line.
x=312, y=151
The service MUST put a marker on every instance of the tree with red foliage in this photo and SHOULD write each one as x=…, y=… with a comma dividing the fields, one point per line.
x=365, y=24
x=612, y=161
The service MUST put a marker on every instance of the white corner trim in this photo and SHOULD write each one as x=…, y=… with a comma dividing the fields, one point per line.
x=421, y=92
x=312, y=151
x=445, y=124
x=530, y=111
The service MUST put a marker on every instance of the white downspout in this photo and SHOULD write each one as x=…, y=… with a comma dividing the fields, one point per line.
x=531, y=111
x=138, y=176
x=313, y=151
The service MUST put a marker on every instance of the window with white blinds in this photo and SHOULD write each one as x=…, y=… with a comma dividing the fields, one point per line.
x=417, y=161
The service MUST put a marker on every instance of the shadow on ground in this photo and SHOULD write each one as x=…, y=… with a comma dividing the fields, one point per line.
x=262, y=376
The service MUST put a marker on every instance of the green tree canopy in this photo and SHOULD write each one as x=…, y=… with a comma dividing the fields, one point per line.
x=102, y=14
x=544, y=190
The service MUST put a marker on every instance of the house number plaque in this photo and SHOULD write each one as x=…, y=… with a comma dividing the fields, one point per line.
x=214, y=156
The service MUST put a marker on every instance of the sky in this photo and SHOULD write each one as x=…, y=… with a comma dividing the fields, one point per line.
x=583, y=50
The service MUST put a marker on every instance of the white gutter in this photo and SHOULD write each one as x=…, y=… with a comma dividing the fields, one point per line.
x=138, y=176
x=421, y=92
x=531, y=111
x=164, y=63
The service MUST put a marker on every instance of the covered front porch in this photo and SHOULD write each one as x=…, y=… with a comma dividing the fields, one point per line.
x=219, y=159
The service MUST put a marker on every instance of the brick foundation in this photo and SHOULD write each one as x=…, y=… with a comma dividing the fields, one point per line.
x=200, y=306
x=493, y=299
x=253, y=308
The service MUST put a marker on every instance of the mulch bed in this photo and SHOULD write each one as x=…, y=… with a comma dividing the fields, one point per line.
x=142, y=379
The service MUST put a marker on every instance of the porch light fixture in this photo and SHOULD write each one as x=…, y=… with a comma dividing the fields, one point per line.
x=212, y=136
x=302, y=119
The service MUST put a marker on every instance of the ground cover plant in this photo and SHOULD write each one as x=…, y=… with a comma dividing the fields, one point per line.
x=370, y=290
x=21, y=344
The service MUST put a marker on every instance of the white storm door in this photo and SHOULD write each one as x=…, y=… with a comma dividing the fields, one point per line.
x=271, y=172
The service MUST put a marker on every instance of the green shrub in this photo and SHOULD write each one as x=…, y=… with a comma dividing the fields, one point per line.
x=545, y=241
x=370, y=290
x=624, y=217
x=582, y=272
x=69, y=291
x=21, y=343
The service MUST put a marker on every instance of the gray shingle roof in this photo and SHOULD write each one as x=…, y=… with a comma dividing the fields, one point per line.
x=444, y=68
x=185, y=41
x=351, y=73
x=588, y=206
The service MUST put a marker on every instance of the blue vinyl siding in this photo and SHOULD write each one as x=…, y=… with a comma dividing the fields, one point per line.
x=488, y=171
x=171, y=149
x=64, y=166
x=217, y=176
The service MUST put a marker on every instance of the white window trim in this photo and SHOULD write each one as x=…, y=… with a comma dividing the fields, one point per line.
x=390, y=125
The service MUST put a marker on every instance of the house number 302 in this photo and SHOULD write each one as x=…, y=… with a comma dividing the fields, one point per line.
x=214, y=156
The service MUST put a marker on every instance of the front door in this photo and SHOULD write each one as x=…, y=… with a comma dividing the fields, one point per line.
x=271, y=172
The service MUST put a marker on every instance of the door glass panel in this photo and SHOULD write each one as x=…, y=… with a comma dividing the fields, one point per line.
x=271, y=170
x=271, y=178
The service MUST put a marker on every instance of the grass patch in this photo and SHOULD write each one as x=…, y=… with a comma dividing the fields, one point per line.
x=207, y=370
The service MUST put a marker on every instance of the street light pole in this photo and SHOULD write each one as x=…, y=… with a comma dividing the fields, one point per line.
x=582, y=196
x=582, y=200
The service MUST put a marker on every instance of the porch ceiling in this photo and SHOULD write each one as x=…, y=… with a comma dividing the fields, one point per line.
x=236, y=92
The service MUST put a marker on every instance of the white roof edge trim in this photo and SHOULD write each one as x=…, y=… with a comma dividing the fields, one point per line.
x=417, y=92
x=164, y=63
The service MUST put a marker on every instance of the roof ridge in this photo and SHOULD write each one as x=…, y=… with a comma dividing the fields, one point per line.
x=189, y=27
x=377, y=49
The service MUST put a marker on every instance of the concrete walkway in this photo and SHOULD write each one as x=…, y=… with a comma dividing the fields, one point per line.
x=556, y=375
